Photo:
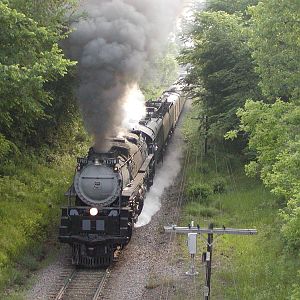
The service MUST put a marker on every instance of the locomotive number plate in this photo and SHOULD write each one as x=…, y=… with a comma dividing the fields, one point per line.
x=110, y=161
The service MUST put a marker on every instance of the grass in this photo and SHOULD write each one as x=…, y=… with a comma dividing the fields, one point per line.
x=32, y=192
x=245, y=267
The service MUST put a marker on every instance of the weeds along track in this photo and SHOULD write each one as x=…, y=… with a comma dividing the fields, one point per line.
x=81, y=284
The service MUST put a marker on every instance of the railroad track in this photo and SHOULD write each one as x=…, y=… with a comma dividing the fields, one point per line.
x=82, y=284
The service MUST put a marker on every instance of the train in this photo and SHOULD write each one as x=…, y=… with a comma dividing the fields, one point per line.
x=107, y=194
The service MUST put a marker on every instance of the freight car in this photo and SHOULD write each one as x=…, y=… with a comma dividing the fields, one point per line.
x=108, y=190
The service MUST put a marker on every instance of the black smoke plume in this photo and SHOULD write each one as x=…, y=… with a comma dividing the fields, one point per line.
x=113, y=43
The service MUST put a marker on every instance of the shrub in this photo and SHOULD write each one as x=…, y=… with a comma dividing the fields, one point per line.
x=26, y=215
x=218, y=186
x=199, y=191
x=296, y=292
x=291, y=227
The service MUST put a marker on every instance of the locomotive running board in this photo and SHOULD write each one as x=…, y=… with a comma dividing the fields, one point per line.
x=146, y=163
x=128, y=191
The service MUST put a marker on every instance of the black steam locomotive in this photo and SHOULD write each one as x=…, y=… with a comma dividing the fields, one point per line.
x=108, y=191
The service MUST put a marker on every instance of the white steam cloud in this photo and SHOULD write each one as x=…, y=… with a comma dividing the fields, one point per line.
x=164, y=177
x=133, y=106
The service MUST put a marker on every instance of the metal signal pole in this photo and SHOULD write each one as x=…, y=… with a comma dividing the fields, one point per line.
x=207, y=257
x=210, y=240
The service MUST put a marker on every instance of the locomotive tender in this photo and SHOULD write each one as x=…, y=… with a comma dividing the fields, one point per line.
x=108, y=189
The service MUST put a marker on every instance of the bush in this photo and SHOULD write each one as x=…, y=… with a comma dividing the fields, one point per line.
x=296, y=292
x=291, y=227
x=218, y=186
x=199, y=191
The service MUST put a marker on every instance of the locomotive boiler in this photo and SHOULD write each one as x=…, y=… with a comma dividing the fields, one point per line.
x=108, y=190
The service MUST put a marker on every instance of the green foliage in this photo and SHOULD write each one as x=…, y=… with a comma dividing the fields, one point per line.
x=235, y=56
x=31, y=195
x=39, y=121
x=273, y=130
x=6, y=148
x=275, y=42
x=230, y=56
x=296, y=290
x=218, y=186
x=53, y=14
x=230, y=6
x=221, y=72
x=199, y=192
x=291, y=227
x=274, y=133
x=29, y=58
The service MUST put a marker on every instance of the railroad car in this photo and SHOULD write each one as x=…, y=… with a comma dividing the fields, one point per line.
x=108, y=190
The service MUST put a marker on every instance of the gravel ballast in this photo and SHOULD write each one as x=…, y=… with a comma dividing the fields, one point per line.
x=151, y=265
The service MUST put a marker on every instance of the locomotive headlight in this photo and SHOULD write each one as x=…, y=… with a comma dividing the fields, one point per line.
x=93, y=211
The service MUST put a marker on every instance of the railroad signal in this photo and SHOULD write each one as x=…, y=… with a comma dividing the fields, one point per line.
x=192, y=245
x=192, y=232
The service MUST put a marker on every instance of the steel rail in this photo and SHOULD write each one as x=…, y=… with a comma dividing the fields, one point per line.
x=101, y=285
x=62, y=291
x=65, y=288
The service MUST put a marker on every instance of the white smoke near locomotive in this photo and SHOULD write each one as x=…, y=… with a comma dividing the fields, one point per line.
x=166, y=174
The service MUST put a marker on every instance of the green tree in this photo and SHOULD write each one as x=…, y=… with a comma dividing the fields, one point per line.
x=29, y=58
x=53, y=14
x=221, y=72
x=275, y=27
x=274, y=134
x=230, y=6
x=274, y=129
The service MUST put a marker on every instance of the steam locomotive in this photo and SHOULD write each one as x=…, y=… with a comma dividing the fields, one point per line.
x=108, y=190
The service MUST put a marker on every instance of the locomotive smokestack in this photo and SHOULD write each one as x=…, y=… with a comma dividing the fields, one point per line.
x=113, y=42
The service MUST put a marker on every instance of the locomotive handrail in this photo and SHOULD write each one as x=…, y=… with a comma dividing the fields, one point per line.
x=131, y=157
x=87, y=177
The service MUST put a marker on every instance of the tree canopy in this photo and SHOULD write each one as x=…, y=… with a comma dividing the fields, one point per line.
x=275, y=31
x=221, y=71
x=30, y=58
